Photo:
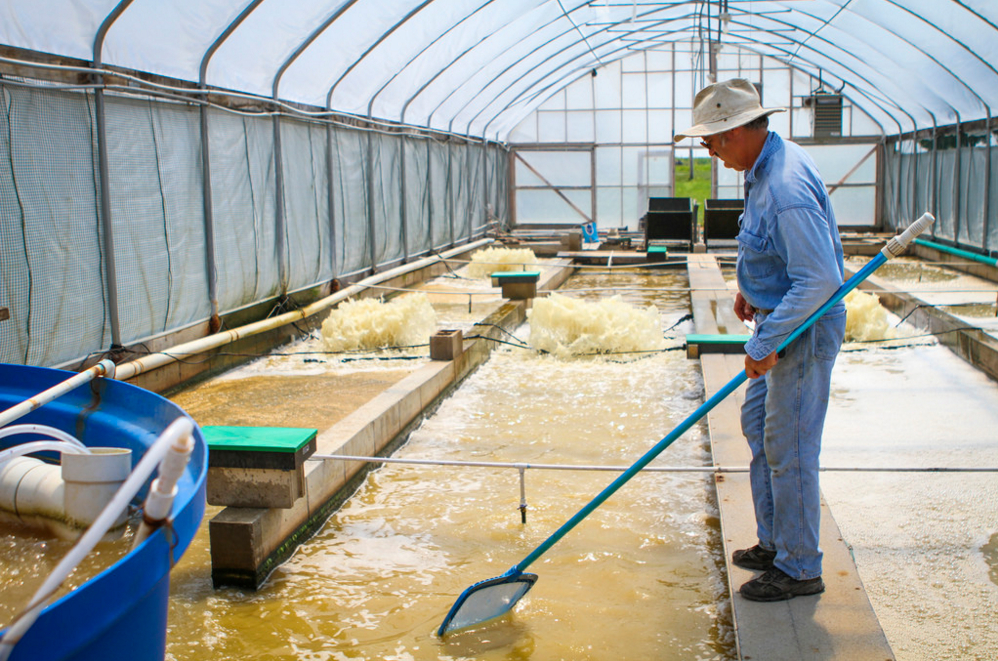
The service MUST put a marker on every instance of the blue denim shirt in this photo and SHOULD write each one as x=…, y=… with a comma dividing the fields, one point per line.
x=789, y=252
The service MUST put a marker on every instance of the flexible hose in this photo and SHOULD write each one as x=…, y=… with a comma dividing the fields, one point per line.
x=64, y=443
x=45, y=430
x=39, y=446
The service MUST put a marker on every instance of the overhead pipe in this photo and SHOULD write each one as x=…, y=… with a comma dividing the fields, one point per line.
x=511, y=47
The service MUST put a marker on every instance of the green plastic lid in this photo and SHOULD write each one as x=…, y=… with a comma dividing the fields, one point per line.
x=258, y=439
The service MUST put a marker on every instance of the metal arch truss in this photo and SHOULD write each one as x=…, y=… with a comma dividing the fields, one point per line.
x=510, y=65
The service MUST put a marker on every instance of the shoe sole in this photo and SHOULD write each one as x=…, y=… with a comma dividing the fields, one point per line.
x=783, y=597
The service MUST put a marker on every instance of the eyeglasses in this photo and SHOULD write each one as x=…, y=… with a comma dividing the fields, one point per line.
x=711, y=143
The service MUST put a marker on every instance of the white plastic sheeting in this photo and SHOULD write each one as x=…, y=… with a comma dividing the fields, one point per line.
x=479, y=66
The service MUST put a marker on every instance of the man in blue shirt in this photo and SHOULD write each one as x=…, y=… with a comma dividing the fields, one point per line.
x=789, y=264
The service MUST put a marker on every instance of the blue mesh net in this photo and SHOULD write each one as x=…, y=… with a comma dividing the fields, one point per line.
x=486, y=600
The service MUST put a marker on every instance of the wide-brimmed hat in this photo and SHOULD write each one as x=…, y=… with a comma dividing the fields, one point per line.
x=723, y=106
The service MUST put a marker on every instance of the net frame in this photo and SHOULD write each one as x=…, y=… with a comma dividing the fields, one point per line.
x=487, y=600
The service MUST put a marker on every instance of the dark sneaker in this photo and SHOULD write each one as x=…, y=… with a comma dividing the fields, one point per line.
x=755, y=558
x=775, y=585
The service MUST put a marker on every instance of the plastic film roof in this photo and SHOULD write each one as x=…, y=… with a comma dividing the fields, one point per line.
x=478, y=67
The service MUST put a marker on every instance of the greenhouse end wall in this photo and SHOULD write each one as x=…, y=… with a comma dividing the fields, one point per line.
x=351, y=198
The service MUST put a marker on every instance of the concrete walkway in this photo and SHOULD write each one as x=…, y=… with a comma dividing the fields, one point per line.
x=838, y=624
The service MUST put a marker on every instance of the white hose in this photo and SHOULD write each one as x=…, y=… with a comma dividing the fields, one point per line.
x=40, y=446
x=177, y=429
x=44, y=430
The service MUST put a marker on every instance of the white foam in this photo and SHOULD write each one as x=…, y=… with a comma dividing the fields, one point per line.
x=369, y=323
x=866, y=319
x=492, y=260
x=567, y=326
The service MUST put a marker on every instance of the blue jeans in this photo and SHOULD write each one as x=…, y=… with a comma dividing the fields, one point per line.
x=782, y=419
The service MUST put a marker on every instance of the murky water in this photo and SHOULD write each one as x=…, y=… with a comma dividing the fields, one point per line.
x=641, y=578
x=28, y=556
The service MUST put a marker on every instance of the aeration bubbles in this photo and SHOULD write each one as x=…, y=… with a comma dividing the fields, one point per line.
x=568, y=327
x=369, y=323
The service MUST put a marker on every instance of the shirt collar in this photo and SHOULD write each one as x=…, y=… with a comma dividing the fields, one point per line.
x=773, y=142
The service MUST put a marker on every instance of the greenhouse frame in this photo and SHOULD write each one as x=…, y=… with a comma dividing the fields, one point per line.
x=165, y=164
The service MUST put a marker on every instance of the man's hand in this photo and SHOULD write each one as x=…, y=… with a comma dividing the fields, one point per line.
x=743, y=310
x=756, y=368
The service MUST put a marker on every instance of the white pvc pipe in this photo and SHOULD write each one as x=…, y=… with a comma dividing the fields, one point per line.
x=31, y=488
x=91, y=480
x=62, y=498
x=124, y=495
x=103, y=368
x=133, y=368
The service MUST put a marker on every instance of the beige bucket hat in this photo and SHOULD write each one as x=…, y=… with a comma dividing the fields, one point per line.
x=723, y=106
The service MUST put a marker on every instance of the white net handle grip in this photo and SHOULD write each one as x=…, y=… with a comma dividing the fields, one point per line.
x=899, y=244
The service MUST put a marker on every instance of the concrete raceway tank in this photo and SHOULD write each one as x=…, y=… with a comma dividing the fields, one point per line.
x=641, y=578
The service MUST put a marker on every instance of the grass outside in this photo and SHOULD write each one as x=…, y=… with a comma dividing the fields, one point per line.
x=697, y=187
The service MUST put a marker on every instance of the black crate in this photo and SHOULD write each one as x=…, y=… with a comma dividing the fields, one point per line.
x=671, y=219
x=669, y=203
x=720, y=219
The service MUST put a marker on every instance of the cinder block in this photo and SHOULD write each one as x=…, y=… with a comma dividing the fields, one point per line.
x=446, y=345
x=519, y=291
x=254, y=487
x=572, y=241
x=257, y=466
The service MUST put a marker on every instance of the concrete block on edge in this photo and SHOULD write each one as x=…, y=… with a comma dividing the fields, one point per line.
x=446, y=344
